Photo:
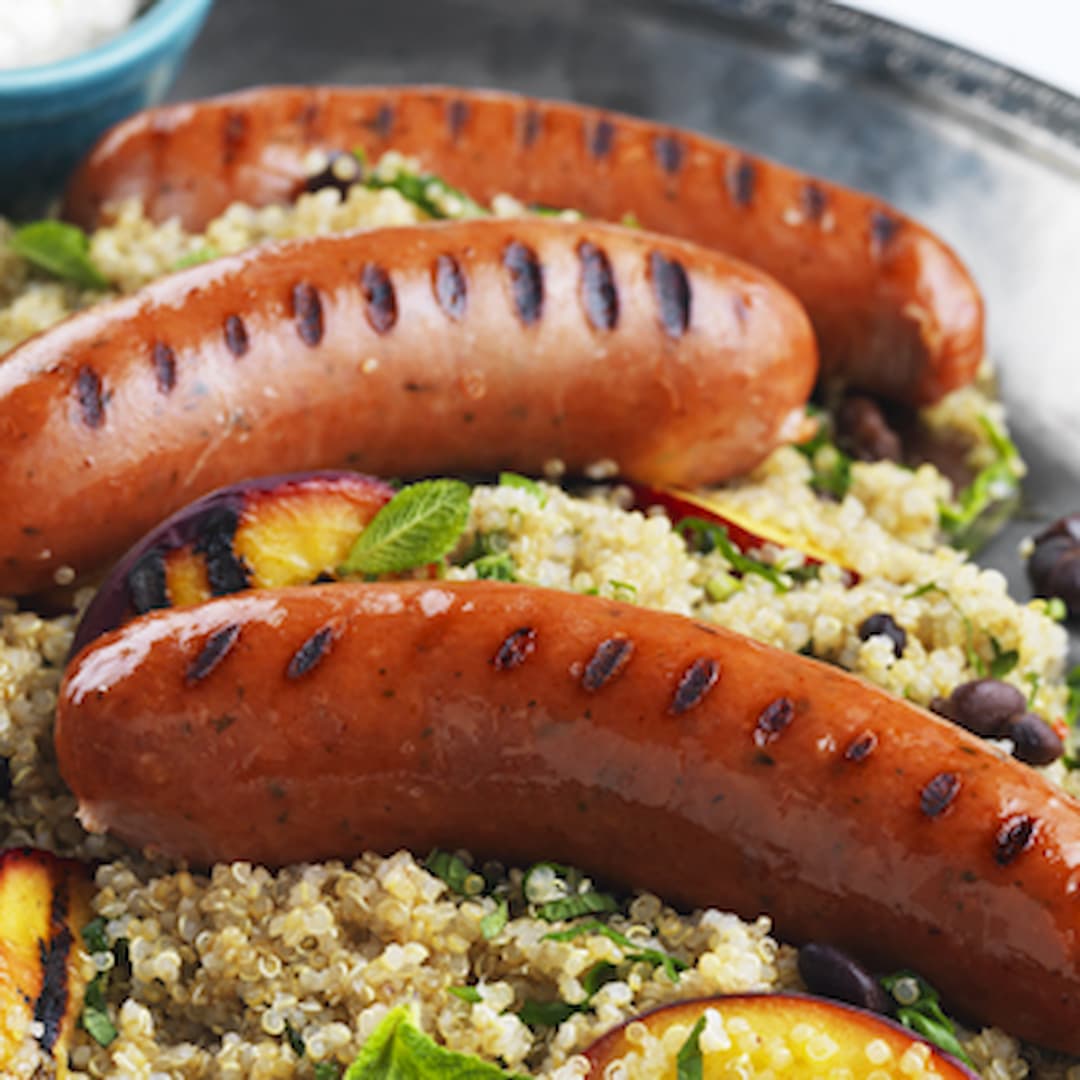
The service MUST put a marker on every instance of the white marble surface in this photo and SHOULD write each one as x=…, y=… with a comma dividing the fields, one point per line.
x=1038, y=37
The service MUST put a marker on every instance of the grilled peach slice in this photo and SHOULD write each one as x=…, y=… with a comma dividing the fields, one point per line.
x=44, y=903
x=266, y=533
x=781, y=1036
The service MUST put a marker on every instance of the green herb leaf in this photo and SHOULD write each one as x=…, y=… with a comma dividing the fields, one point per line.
x=1056, y=609
x=197, y=257
x=721, y=587
x=924, y=1014
x=95, y=1015
x=1003, y=661
x=455, y=872
x=419, y=525
x=94, y=936
x=597, y=976
x=295, y=1040
x=499, y=567
x=830, y=466
x=623, y=590
x=466, y=993
x=431, y=194
x=494, y=921
x=327, y=1070
x=712, y=536
x=573, y=907
x=525, y=483
x=922, y=590
x=989, y=500
x=59, y=249
x=1072, y=704
x=396, y=1050
x=546, y=1013
x=672, y=965
x=688, y=1062
x=1033, y=680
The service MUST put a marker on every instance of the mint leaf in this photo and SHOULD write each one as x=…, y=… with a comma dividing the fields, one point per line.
x=573, y=907
x=327, y=1070
x=419, y=525
x=710, y=536
x=546, y=1013
x=94, y=936
x=672, y=965
x=688, y=1062
x=924, y=1014
x=1072, y=705
x=430, y=193
x=833, y=477
x=1003, y=661
x=495, y=568
x=466, y=993
x=396, y=1050
x=524, y=483
x=59, y=249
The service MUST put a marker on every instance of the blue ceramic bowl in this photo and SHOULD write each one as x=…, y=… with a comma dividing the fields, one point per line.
x=50, y=115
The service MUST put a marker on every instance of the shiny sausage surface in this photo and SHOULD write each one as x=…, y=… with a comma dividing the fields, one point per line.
x=653, y=751
x=465, y=347
x=895, y=310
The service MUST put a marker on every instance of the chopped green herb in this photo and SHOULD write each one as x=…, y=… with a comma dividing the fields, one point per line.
x=573, y=907
x=672, y=965
x=623, y=590
x=711, y=536
x=499, y=567
x=94, y=936
x=525, y=483
x=197, y=257
x=688, y=1061
x=494, y=921
x=922, y=590
x=295, y=1040
x=95, y=1015
x=396, y=1050
x=831, y=467
x=419, y=525
x=1034, y=681
x=1072, y=704
x=721, y=587
x=61, y=250
x=466, y=993
x=598, y=975
x=455, y=872
x=1055, y=609
x=924, y=1013
x=431, y=193
x=989, y=500
x=327, y=1070
x=1003, y=660
x=629, y=220
x=547, y=1013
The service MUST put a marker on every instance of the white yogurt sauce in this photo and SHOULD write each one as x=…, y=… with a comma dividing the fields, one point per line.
x=40, y=31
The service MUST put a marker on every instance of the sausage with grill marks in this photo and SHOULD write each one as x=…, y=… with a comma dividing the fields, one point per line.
x=895, y=310
x=461, y=348
x=651, y=750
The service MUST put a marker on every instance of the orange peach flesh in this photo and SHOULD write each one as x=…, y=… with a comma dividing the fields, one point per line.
x=779, y=1036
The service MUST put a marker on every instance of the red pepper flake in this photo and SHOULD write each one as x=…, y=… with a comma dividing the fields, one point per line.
x=696, y=681
x=774, y=720
x=515, y=650
x=610, y=658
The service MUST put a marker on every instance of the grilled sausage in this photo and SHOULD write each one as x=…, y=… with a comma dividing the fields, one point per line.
x=895, y=311
x=458, y=348
x=654, y=751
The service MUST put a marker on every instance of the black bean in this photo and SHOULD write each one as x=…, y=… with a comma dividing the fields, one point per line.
x=341, y=172
x=863, y=432
x=985, y=706
x=1054, y=566
x=1034, y=740
x=883, y=623
x=830, y=972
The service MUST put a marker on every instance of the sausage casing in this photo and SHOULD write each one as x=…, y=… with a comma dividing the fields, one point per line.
x=465, y=347
x=895, y=310
x=653, y=751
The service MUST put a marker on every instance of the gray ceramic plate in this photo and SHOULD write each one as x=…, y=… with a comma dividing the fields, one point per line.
x=988, y=158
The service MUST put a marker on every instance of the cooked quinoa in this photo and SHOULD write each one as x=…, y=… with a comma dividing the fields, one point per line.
x=233, y=972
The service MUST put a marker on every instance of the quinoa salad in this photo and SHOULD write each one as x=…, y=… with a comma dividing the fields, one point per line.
x=247, y=972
